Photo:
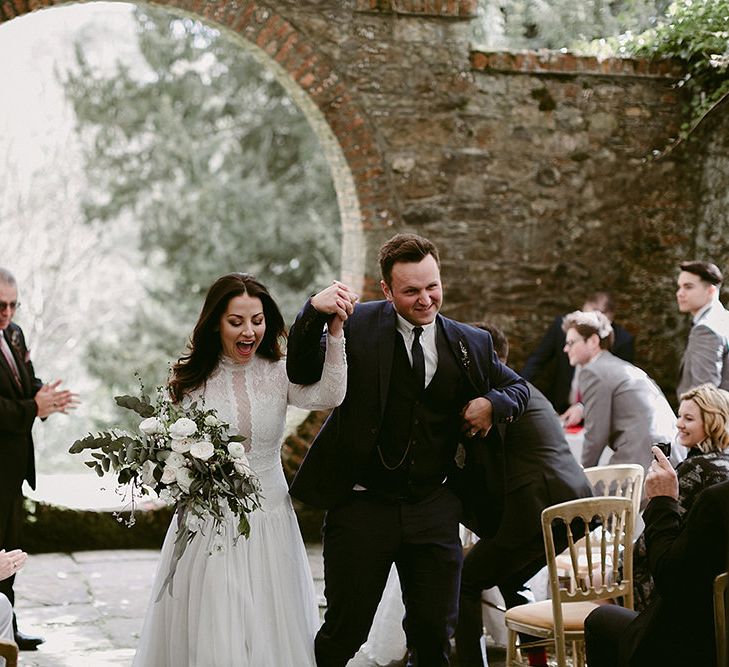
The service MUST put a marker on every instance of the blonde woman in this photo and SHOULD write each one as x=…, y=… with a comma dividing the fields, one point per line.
x=703, y=428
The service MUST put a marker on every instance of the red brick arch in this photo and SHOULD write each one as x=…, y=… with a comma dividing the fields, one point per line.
x=363, y=192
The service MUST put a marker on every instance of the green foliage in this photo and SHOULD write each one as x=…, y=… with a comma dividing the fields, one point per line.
x=697, y=32
x=202, y=152
x=556, y=24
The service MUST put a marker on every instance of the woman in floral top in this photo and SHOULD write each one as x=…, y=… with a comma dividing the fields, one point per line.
x=703, y=427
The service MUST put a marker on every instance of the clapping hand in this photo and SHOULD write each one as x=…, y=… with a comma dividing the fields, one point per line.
x=338, y=300
x=11, y=562
x=50, y=399
x=661, y=479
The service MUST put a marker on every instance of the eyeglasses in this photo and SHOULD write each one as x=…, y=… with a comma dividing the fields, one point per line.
x=13, y=305
x=570, y=343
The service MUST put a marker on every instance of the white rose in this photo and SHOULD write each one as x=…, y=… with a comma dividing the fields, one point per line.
x=182, y=428
x=236, y=450
x=202, y=450
x=169, y=474
x=147, y=473
x=175, y=460
x=211, y=420
x=181, y=446
x=151, y=425
x=184, y=478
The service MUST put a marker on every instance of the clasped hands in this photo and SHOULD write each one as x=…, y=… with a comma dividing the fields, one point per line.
x=50, y=399
x=337, y=300
x=11, y=562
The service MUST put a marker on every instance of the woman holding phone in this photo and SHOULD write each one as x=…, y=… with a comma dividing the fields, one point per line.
x=703, y=428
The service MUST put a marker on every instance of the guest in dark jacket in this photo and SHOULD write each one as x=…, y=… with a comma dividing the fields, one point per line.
x=549, y=369
x=23, y=397
x=677, y=629
x=540, y=471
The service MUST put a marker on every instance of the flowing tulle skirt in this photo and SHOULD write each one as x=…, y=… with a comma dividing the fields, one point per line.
x=250, y=605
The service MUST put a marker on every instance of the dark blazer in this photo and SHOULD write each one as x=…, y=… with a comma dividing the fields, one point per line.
x=17, y=414
x=548, y=367
x=677, y=628
x=345, y=442
x=540, y=471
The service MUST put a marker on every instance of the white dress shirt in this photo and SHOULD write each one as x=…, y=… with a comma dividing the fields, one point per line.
x=427, y=341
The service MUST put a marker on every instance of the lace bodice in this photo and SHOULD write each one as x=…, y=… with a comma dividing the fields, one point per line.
x=253, y=397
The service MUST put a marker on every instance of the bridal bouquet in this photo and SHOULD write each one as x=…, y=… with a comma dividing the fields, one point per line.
x=184, y=453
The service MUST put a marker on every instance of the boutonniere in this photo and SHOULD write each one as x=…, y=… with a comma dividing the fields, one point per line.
x=15, y=339
x=465, y=359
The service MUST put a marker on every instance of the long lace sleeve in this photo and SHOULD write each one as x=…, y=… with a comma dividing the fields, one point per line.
x=330, y=390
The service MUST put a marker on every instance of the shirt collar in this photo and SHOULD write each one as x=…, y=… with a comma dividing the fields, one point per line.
x=406, y=328
x=702, y=311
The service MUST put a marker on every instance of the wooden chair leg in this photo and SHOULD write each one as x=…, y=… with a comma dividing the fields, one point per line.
x=511, y=648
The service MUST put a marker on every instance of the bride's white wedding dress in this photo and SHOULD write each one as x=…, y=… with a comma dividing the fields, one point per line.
x=251, y=604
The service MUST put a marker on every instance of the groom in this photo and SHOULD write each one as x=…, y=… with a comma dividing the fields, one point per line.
x=387, y=463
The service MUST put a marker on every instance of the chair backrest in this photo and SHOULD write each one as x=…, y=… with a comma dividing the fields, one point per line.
x=720, y=620
x=624, y=480
x=606, y=555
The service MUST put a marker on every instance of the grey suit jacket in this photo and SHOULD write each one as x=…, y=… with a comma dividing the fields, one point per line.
x=624, y=410
x=705, y=357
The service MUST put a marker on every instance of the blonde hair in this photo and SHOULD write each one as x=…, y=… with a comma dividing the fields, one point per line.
x=713, y=403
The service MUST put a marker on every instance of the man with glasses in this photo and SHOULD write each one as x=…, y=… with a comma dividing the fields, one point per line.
x=624, y=409
x=23, y=397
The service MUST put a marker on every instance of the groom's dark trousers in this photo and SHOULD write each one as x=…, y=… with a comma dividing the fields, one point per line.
x=362, y=538
x=380, y=465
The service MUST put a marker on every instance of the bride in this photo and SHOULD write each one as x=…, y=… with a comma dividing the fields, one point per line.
x=251, y=604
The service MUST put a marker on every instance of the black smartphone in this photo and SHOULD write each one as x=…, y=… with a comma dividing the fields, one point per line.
x=665, y=447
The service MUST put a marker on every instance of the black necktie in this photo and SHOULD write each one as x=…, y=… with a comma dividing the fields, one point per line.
x=418, y=358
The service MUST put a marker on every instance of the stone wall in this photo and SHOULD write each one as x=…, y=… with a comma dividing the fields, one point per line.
x=529, y=170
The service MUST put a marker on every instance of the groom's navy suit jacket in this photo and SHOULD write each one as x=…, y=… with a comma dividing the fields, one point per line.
x=340, y=452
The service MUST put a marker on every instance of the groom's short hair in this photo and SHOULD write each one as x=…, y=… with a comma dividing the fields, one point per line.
x=404, y=248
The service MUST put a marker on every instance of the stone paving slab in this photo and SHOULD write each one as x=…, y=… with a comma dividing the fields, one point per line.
x=90, y=606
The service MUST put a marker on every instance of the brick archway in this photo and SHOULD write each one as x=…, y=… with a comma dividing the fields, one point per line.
x=364, y=194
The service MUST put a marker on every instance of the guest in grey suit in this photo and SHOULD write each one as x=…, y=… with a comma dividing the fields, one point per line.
x=705, y=357
x=624, y=409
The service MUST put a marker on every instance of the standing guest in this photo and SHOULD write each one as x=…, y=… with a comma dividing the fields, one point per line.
x=252, y=603
x=550, y=362
x=23, y=397
x=624, y=409
x=383, y=461
x=703, y=428
x=540, y=471
x=705, y=356
x=677, y=629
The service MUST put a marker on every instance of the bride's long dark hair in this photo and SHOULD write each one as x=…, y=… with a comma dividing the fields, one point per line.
x=192, y=369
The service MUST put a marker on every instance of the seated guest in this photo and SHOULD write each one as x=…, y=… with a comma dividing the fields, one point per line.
x=624, y=409
x=677, y=629
x=703, y=427
x=549, y=368
x=540, y=471
x=10, y=563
